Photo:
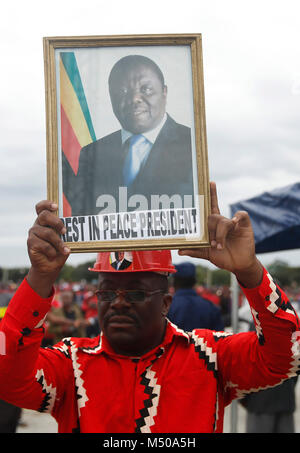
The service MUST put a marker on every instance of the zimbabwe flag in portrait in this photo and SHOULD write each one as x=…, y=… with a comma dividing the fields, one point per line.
x=77, y=129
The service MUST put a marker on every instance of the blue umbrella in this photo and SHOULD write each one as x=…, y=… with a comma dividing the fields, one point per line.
x=275, y=217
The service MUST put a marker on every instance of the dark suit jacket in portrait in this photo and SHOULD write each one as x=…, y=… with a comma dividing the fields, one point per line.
x=168, y=169
x=124, y=264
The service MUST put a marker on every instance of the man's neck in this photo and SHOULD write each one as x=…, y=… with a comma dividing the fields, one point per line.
x=150, y=135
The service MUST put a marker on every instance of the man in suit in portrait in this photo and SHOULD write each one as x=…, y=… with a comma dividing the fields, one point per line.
x=120, y=260
x=150, y=155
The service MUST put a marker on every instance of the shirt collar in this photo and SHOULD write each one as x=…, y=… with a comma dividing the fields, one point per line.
x=150, y=135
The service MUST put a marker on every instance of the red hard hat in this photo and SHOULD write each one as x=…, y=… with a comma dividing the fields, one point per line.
x=134, y=261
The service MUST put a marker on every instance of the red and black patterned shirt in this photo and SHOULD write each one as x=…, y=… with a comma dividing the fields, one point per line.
x=182, y=386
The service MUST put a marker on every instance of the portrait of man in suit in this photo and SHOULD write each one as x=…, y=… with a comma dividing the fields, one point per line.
x=120, y=260
x=150, y=155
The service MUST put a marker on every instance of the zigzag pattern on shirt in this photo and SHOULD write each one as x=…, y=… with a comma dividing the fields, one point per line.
x=182, y=332
x=276, y=299
x=150, y=410
x=216, y=416
x=218, y=335
x=259, y=332
x=205, y=353
x=50, y=393
x=293, y=371
x=63, y=348
x=295, y=364
x=94, y=349
x=240, y=393
x=210, y=358
x=149, y=381
x=80, y=390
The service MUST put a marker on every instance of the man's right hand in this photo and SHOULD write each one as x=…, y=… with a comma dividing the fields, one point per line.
x=47, y=251
x=232, y=244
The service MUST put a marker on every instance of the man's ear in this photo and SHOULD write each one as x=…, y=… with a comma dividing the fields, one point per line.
x=167, y=300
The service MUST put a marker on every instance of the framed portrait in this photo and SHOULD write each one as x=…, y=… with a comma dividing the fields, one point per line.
x=126, y=141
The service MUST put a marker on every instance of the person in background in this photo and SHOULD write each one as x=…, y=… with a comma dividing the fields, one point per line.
x=188, y=310
x=271, y=410
x=225, y=305
x=66, y=320
x=90, y=311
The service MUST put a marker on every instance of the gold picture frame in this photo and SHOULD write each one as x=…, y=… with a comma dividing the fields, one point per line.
x=94, y=84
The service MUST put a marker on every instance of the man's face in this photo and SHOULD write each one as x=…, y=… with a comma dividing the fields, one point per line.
x=138, y=98
x=133, y=328
x=66, y=298
x=120, y=256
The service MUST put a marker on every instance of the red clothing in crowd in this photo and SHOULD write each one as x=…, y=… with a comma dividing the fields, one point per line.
x=206, y=294
x=89, y=305
x=181, y=386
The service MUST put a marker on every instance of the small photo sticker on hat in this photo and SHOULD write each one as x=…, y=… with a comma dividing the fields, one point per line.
x=120, y=260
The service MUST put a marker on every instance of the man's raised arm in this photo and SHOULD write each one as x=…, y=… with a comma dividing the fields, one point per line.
x=46, y=249
x=27, y=377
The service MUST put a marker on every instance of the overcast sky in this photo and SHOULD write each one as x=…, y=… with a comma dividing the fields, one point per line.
x=251, y=53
